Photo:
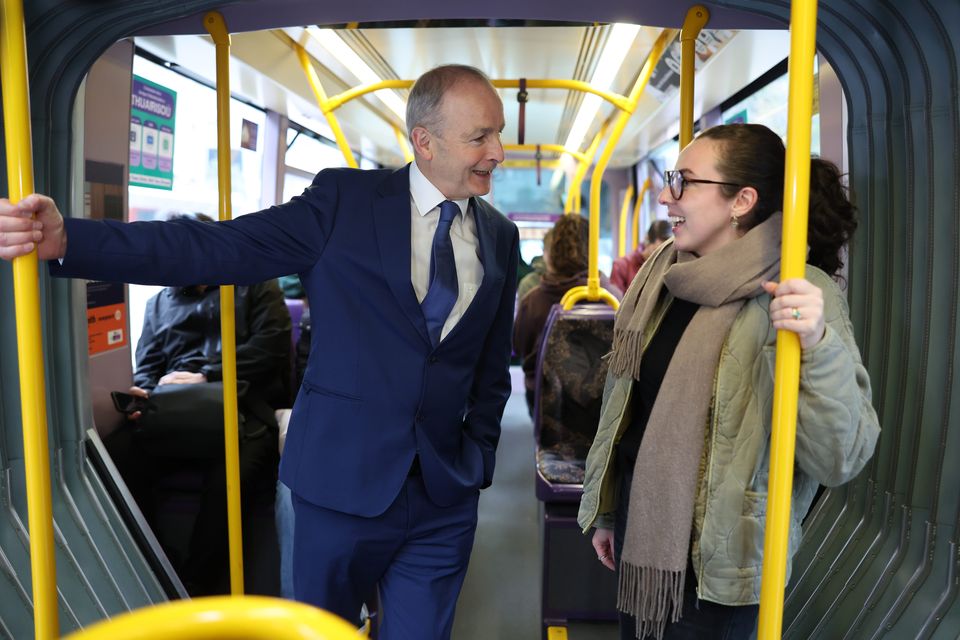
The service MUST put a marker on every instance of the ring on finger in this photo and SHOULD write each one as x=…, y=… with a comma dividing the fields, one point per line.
x=796, y=313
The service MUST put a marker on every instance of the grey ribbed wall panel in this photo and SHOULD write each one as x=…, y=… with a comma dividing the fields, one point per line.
x=880, y=555
x=880, y=558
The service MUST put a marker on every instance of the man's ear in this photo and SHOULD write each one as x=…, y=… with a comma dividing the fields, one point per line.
x=422, y=143
x=744, y=201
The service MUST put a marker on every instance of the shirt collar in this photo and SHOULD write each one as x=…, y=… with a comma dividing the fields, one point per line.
x=427, y=197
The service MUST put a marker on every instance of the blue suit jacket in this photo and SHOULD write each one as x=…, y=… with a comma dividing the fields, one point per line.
x=375, y=392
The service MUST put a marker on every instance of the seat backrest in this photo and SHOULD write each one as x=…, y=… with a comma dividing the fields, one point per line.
x=571, y=373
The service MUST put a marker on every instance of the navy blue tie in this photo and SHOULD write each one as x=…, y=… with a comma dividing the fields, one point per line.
x=443, y=291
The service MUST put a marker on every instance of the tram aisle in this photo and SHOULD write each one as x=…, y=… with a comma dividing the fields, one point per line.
x=501, y=595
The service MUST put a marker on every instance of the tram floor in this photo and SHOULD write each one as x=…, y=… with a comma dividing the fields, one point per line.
x=501, y=595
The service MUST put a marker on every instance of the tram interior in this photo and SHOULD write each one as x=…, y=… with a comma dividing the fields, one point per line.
x=880, y=554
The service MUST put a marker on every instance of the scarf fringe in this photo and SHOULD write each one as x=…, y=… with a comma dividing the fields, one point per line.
x=653, y=596
x=625, y=361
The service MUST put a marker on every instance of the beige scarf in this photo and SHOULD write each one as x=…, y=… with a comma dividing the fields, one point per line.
x=660, y=517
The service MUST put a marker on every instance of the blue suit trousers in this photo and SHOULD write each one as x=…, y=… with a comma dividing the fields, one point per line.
x=415, y=554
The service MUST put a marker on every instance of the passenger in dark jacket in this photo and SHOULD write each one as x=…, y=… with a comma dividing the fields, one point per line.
x=566, y=255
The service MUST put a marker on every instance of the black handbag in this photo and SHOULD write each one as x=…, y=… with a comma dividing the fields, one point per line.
x=185, y=421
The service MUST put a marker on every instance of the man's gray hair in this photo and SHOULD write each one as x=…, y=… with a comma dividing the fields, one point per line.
x=423, y=105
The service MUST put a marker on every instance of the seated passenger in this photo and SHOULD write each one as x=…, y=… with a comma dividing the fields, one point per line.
x=532, y=279
x=180, y=344
x=566, y=254
x=625, y=268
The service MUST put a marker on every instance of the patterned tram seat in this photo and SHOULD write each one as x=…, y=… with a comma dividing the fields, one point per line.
x=570, y=377
x=571, y=372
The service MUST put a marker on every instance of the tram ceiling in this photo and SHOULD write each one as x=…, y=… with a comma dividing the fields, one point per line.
x=267, y=72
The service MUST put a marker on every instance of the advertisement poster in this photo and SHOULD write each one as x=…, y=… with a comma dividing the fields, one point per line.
x=106, y=317
x=665, y=81
x=152, y=113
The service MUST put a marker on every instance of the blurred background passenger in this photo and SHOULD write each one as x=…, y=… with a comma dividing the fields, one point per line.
x=180, y=345
x=538, y=266
x=625, y=268
x=566, y=253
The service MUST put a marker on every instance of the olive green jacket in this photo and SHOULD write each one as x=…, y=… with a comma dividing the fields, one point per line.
x=837, y=429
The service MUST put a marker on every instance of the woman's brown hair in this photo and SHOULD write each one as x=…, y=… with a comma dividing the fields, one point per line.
x=753, y=155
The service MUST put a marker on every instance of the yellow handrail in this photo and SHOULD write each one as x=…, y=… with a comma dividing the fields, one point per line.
x=796, y=192
x=697, y=16
x=615, y=99
x=26, y=293
x=555, y=148
x=573, y=193
x=593, y=290
x=622, y=238
x=636, y=212
x=215, y=26
x=322, y=101
x=237, y=618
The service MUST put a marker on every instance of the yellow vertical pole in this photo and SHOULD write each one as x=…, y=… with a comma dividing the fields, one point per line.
x=322, y=102
x=26, y=293
x=696, y=18
x=593, y=273
x=624, y=210
x=573, y=193
x=404, y=145
x=796, y=192
x=636, y=212
x=215, y=26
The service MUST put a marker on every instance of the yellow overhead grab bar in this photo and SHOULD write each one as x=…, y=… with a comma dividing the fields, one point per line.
x=635, y=231
x=237, y=618
x=624, y=210
x=592, y=291
x=696, y=18
x=793, y=258
x=26, y=293
x=215, y=26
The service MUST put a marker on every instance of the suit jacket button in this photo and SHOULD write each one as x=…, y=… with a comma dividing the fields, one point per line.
x=434, y=359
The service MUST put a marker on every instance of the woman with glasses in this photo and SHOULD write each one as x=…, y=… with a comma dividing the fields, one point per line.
x=676, y=478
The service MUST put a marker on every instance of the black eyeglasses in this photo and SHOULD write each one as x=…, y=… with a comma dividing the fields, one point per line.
x=676, y=181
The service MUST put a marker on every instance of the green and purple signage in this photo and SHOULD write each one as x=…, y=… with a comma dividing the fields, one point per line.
x=152, y=114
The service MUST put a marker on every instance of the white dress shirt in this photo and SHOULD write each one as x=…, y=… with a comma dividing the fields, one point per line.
x=425, y=202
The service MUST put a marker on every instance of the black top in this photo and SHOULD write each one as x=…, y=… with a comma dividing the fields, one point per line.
x=181, y=332
x=653, y=366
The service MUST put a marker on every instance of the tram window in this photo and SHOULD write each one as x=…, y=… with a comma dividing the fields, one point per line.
x=768, y=106
x=194, y=186
x=307, y=153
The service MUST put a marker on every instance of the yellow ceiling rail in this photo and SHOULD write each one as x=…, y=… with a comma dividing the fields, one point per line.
x=592, y=289
x=624, y=210
x=574, y=198
x=26, y=293
x=238, y=618
x=793, y=257
x=615, y=99
x=404, y=144
x=635, y=232
x=555, y=148
x=338, y=100
x=314, y=80
x=696, y=18
x=217, y=28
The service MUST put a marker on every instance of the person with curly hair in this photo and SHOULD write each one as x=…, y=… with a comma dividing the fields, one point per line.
x=566, y=254
x=676, y=479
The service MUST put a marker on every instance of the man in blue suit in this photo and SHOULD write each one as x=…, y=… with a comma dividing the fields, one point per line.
x=411, y=278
